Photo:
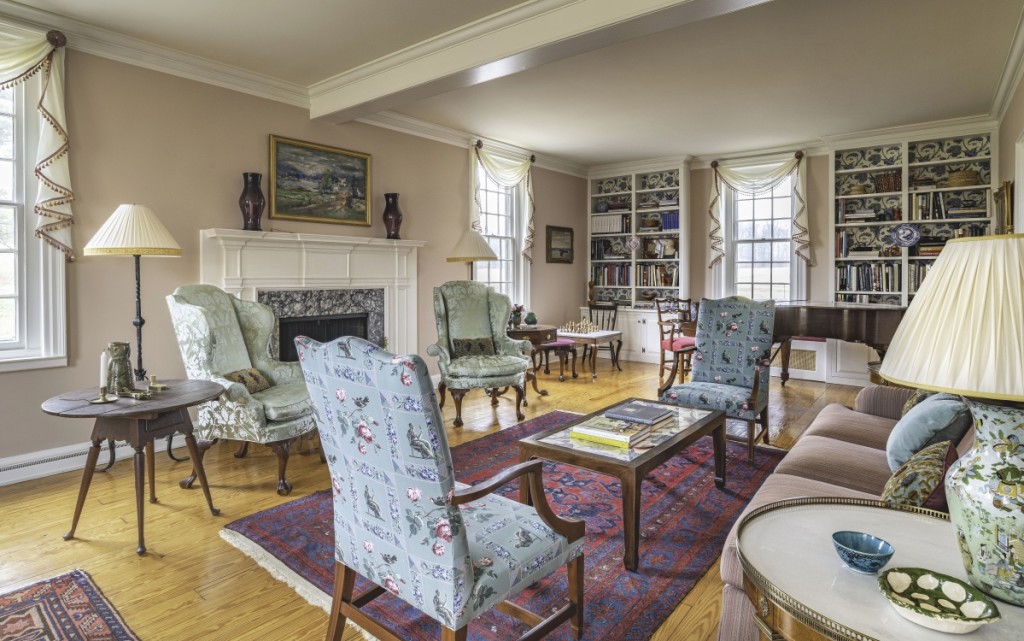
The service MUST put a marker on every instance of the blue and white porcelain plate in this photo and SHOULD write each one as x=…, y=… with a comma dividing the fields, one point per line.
x=906, y=235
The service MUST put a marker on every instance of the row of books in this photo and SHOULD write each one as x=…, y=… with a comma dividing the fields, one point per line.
x=670, y=221
x=868, y=277
x=623, y=426
x=657, y=276
x=916, y=273
x=613, y=275
x=621, y=224
x=932, y=206
x=845, y=248
x=603, y=249
x=656, y=204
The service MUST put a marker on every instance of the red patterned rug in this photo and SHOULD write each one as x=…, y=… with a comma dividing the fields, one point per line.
x=65, y=608
x=684, y=522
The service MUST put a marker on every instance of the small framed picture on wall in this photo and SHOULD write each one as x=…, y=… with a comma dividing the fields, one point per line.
x=559, y=244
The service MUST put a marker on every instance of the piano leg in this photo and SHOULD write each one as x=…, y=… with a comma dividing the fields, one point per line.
x=784, y=347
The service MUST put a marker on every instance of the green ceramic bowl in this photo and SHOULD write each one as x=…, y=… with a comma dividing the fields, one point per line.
x=937, y=601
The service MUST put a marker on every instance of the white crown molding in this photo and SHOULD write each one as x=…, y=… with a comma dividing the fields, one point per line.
x=1012, y=72
x=423, y=129
x=648, y=164
x=938, y=128
x=114, y=46
x=782, y=152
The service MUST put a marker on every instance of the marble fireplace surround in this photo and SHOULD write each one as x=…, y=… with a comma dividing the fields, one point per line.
x=329, y=275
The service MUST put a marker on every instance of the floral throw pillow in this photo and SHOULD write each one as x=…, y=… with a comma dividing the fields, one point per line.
x=252, y=378
x=472, y=347
x=919, y=481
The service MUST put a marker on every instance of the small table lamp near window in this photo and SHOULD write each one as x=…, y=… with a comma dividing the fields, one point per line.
x=134, y=230
x=964, y=334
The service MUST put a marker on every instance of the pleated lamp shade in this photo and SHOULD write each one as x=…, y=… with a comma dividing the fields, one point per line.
x=132, y=230
x=471, y=247
x=964, y=331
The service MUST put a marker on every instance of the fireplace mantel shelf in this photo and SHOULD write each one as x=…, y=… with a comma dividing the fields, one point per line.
x=247, y=262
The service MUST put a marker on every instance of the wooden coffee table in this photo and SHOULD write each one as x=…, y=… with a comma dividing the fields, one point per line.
x=630, y=466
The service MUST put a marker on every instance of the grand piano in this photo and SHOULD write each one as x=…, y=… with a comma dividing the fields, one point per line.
x=873, y=325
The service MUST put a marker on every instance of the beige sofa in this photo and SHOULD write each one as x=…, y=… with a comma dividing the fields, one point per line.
x=842, y=454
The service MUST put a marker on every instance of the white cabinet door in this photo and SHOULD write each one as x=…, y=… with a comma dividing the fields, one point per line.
x=639, y=335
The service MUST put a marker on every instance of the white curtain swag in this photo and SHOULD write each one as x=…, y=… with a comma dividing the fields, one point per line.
x=507, y=172
x=23, y=55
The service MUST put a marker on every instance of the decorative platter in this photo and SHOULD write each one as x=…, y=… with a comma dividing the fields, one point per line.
x=906, y=235
x=937, y=601
x=633, y=243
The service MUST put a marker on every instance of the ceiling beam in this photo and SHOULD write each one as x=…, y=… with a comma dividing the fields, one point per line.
x=520, y=38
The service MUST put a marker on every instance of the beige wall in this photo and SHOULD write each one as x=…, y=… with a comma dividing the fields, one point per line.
x=1010, y=129
x=180, y=148
x=818, y=212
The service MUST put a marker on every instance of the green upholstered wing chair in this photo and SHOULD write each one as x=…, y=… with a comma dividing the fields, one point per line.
x=400, y=519
x=220, y=336
x=472, y=348
x=731, y=363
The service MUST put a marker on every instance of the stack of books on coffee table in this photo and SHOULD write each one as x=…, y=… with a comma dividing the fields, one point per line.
x=622, y=426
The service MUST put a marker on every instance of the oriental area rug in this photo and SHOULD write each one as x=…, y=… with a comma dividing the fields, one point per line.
x=684, y=522
x=68, y=607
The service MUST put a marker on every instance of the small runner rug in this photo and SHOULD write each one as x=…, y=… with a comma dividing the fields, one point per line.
x=69, y=607
x=684, y=522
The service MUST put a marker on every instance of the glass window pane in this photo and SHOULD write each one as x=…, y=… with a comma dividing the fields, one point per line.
x=782, y=228
x=780, y=251
x=762, y=272
x=780, y=273
x=744, y=289
x=8, y=275
x=7, y=228
x=763, y=229
x=744, y=231
x=783, y=207
x=7, y=137
x=744, y=210
x=744, y=251
x=8, y=319
x=762, y=209
x=784, y=188
x=761, y=292
x=6, y=180
x=744, y=272
x=780, y=292
x=7, y=101
x=762, y=251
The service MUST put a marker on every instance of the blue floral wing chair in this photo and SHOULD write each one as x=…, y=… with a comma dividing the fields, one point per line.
x=402, y=521
x=472, y=348
x=225, y=340
x=730, y=366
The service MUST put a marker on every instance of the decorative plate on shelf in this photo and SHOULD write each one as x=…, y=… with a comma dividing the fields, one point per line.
x=633, y=243
x=937, y=601
x=906, y=235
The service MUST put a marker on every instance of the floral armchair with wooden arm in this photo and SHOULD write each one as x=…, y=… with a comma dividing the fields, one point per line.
x=731, y=363
x=401, y=520
x=225, y=340
x=472, y=348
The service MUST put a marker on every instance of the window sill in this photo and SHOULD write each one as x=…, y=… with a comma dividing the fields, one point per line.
x=31, y=362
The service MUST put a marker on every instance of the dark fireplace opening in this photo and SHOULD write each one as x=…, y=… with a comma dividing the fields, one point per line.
x=320, y=328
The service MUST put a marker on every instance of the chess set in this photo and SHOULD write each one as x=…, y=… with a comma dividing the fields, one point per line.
x=579, y=327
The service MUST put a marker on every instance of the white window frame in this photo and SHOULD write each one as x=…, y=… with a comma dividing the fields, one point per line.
x=520, y=293
x=42, y=308
x=724, y=274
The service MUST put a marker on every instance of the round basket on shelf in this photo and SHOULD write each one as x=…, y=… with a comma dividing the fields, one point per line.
x=857, y=190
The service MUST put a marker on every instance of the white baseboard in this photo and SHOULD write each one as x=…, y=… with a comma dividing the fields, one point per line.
x=69, y=458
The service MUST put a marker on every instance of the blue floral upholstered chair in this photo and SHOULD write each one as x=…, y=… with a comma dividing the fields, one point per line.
x=472, y=348
x=730, y=366
x=225, y=340
x=402, y=521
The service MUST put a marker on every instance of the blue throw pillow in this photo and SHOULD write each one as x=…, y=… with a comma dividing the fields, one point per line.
x=940, y=417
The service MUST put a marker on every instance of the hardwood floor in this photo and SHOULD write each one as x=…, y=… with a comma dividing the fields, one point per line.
x=193, y=585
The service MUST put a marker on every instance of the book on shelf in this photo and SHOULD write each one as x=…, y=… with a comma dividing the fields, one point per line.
x=638, y=412
x=966, y=212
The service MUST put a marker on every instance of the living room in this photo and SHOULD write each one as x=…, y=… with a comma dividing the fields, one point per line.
x=157, y=132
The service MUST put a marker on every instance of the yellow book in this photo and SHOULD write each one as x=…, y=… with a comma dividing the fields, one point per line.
x=604, y=440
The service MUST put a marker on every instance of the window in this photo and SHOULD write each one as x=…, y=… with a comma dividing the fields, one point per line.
x=32, y=299
x=760, y=263
x=501, y=219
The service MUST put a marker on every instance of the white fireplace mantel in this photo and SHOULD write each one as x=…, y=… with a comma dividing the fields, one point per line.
x=246, y=262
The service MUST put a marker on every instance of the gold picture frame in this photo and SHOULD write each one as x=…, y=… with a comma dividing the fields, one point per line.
x=319, y=184
x=558, y=247
x=1002, y=198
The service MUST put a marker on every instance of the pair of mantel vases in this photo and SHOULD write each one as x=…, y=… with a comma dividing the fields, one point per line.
x=252, y=203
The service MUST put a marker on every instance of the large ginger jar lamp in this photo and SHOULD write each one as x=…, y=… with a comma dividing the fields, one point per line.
x=964, y=334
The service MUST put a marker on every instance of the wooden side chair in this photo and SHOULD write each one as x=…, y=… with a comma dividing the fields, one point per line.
x=677, y=327
x=563, y=348
x=605, y=316
x=731, y=364
x=400, y=519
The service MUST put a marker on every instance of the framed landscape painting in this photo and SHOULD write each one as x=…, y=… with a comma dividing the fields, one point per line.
x=559, y=244
x=318, y=183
